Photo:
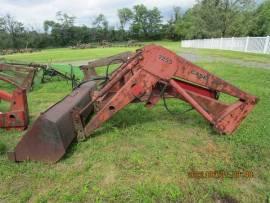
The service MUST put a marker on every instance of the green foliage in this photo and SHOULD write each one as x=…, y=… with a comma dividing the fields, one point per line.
x=206, y=19
x=101, y=22
x=211, y=18
x=262, y=19
x=12, y=30
x=146, y=23
x=125, y=15
x=62, y=31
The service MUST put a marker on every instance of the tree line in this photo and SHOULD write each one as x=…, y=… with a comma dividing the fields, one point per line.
x=206, y=19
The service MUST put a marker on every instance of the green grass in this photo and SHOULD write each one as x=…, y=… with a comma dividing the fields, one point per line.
x=67, y=54
x=145, y=155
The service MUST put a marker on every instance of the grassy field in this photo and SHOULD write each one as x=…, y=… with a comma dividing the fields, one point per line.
x=67, y=54
x=146, y=155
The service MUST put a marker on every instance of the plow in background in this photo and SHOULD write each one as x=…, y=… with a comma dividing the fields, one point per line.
x=48, y=72
x=149, y=75
x=20, y=75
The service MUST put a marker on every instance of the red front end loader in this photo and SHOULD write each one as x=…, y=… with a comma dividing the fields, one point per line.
x=150, y=74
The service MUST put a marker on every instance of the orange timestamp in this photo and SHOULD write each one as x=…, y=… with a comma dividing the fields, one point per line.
x=220, y=174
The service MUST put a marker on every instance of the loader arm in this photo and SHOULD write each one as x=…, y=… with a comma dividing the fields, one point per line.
x=196, y=86
x=150, y=74
x=89, y=70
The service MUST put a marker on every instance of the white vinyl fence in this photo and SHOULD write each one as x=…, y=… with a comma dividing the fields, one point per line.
x=244, y=44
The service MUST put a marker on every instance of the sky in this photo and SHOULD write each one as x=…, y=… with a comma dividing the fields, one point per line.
x=33, y=12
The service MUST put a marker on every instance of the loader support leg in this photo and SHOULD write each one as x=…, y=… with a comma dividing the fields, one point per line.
x=139, y=84
x=193, y=103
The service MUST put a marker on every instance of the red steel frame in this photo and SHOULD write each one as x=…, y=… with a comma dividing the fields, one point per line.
x=141, y=77
x=147, y=76
x=17, y=117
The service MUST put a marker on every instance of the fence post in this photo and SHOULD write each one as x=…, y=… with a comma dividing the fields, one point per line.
x=266, y=44
x=232, y=43
x=221, y=43
x=212, y=43
x=246, y=46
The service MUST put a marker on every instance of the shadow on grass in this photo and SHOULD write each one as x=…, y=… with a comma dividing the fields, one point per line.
x=137, y=115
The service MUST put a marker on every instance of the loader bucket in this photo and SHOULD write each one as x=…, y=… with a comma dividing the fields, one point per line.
x=54, y=130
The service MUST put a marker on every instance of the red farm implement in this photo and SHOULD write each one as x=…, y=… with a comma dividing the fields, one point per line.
x=149, y=75
x=17, y=116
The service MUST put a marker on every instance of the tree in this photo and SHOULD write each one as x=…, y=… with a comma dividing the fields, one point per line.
x=235, y=16
x=5, y=41
x=176, y=14
x=261, y=24
x=139, y=24
x=125, y=15
x=14, y=28
x=190, y=26
x=101, y=24
x=154, y=23
x=146, y=23
x=47, y=25
x=169, y=29
x=62, y=30
x=217, y=18
x=64, y=19
x=2, y=24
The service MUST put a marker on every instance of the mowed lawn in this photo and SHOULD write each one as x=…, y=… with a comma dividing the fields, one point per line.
x=68, y=54
x=145, y=155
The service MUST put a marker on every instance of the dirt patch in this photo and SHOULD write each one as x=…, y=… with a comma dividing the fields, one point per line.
x=199, y=58
x=225, y=199
x=109, y=176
